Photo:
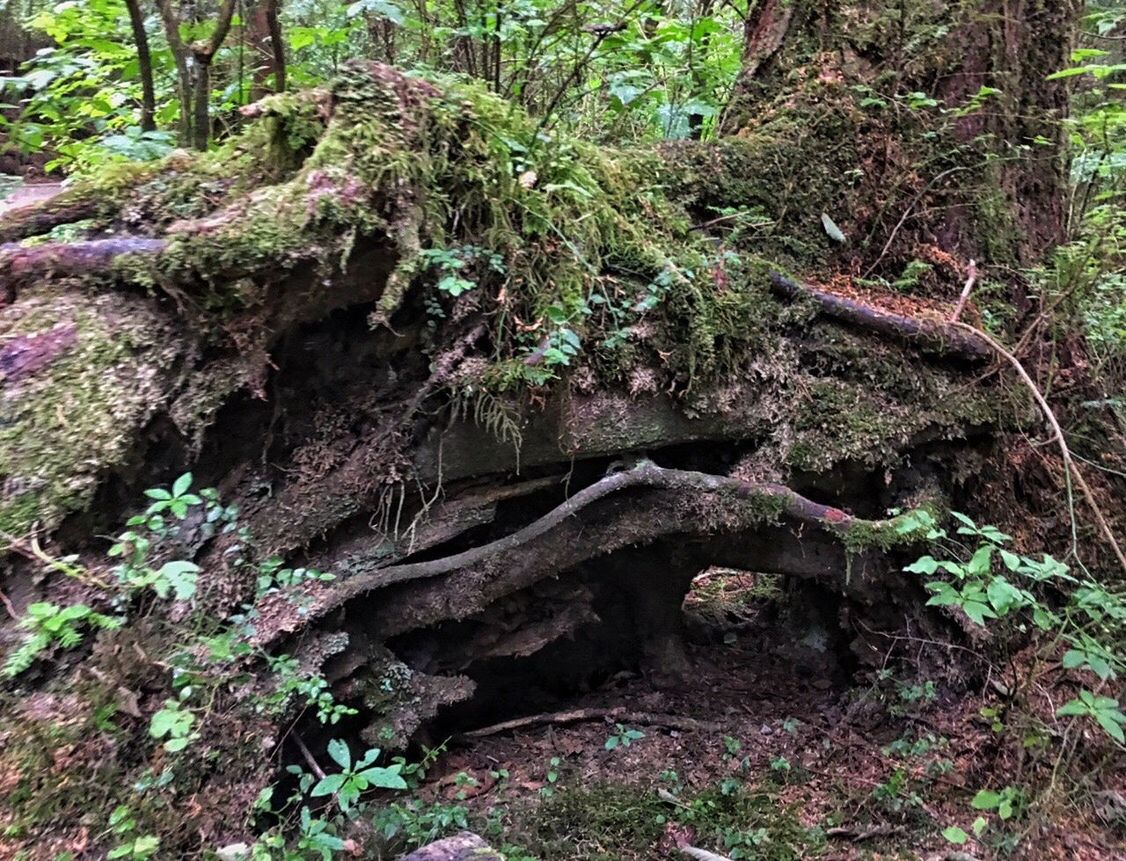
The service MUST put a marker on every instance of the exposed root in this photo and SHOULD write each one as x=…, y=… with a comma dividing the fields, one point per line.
x=500, y=563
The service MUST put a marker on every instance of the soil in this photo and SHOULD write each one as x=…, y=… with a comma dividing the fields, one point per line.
x=834, y=768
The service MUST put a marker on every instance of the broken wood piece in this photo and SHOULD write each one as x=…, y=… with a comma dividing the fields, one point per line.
x=932, y=334
x=465, y=846
x=702, y=854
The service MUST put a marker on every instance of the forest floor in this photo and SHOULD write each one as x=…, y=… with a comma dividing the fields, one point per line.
x=793, y=761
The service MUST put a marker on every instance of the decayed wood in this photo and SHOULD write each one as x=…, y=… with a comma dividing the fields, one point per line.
x=19, y=264
x=937, y=335
x=465, y=846
x=37, y=218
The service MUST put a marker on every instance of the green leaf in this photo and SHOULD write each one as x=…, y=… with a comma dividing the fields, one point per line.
x=384, y=778
x=986, y=800
x=978, y=612
x=181, y=485
x=834, y=232
x=955, y=835
x=328, y=785
x=925, y=565
x=158, y=493
x=340, y=753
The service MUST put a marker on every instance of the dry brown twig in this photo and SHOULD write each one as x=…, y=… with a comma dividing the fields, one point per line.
x=1070, y=466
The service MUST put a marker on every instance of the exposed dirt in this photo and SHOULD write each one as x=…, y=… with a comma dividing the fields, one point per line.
x=832, y=770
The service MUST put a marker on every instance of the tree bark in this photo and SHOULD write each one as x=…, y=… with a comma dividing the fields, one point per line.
x=144, y=64
x=266, y=40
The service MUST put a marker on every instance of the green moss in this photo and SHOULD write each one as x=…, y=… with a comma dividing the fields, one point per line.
x=612, y=822
x=68, y=422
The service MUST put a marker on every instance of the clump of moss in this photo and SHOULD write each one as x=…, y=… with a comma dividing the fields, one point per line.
x=610, y=821
x=73, y=417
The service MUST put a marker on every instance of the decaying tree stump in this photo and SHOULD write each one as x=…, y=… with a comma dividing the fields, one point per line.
x=515, y=394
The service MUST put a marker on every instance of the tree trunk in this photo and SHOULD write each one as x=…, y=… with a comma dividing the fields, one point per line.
x=265, y=38
x=144, y=65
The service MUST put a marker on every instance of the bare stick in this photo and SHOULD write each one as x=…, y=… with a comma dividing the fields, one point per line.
x=1071, y=467
x=619, y=715
x=971, y=278
x=316, y=769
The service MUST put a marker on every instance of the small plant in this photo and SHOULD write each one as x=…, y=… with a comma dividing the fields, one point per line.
x=176, y=501
x=173, y=722
x=623, y=736
x=347, y=785
x=415, y=823
x=49, y=624
x=134, y=847
x=988, y=586
x=1007, y=802
x=1102, y=710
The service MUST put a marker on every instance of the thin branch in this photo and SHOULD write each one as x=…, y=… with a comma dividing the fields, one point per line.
x=617, y=714
x=308, y=757
x=971, y=278
x=1071, y=467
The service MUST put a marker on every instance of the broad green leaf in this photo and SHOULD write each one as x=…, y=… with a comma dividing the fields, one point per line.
x=986, y=800
x=338, y=750
x=955, y=835
x=834, y=232
x=328, y=785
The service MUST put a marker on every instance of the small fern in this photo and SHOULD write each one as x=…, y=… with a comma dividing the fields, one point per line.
x=49, y=624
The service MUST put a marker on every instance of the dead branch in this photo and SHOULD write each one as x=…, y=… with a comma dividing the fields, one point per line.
x=932, y=334
x=307, y=755
x=971, y=278
x=1071, y=467
x=618, y=715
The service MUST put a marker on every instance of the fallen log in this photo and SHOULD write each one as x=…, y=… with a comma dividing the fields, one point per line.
x=936, y=335
x=19, y=264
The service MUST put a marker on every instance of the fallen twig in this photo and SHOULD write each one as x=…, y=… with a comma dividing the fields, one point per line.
x=619, y=715
x=859, y=835
x=1070, y=466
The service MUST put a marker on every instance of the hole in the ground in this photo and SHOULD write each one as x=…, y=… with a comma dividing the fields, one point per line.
x=641, y=629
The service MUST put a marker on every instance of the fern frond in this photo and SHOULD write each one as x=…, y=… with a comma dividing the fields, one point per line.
x=25, y=655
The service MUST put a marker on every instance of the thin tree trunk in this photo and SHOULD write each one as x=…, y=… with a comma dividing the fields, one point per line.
x=144, y=63
x=181, y=57
x=265, y=38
